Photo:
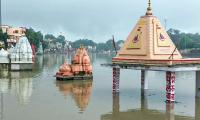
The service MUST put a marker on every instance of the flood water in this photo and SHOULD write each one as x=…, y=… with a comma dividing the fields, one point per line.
x=36, y=95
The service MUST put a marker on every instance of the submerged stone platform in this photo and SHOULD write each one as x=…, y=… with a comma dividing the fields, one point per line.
x=68, y=78
x=154, y=67
x=20, y=66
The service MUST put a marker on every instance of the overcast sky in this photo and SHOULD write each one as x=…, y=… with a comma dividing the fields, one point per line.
x=97, y=19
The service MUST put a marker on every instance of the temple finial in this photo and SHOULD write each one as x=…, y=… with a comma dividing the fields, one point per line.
x=149, y=9
x=149, y=3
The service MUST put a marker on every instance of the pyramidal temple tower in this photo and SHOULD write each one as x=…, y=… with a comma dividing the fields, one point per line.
x=148, y=41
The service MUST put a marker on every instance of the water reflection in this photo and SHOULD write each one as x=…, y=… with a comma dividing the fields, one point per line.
x=24, y=88
x=39, y=62
x=20, y=83
x=52, y=60
x=4, y=82
x=143, y=113
x=79, y=90
x=45, y=98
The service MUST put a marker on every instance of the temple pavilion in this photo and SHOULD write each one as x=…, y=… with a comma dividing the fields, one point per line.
x=149, y=48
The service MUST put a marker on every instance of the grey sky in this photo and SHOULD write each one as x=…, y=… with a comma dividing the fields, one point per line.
x=97, y=19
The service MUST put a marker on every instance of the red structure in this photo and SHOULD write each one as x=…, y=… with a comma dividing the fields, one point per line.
x=80, y=68
x=116, y=79
x=170, y=86
x=33, y=49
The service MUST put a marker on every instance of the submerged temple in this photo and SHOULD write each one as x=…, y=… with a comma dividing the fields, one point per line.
x=81, y=65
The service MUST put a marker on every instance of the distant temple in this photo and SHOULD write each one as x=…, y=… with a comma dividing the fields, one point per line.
x=21, y=55
x=148, y=43
x=22, y=51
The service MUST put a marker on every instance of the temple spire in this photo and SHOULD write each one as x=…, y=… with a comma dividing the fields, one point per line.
x=149, y=9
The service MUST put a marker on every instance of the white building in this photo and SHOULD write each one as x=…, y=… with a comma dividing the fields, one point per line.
x=22, y=51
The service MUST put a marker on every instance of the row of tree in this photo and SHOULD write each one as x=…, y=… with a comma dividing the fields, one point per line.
x=182, y=40
x=36, y=38
x=99, y=47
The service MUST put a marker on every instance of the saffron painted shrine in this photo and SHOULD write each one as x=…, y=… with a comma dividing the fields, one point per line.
x=80, y=68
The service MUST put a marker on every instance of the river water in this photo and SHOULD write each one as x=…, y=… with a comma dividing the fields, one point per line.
x=36, y=95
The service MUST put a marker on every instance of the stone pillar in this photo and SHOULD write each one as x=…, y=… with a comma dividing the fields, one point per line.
x=116, y=79
x=197, y=109
x=144, y=80
x=170, y=87
x=170, y=111
x=116, y=105
x=144, y=102
x=198, y=84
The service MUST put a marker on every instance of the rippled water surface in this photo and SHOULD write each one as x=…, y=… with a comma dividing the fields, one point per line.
x=36, y=95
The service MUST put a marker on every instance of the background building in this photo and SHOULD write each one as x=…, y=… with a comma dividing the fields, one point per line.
x=14, y=33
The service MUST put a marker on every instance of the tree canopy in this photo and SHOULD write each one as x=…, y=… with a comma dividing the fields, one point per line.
x=49, y=36
x=34, y=37
x=84, y=42
x=4, y=37
x=184, y=40
x=61, y=39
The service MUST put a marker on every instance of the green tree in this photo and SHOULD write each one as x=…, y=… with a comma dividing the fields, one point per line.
x=184, y=40
x=34, y=37
x=4, y=37
x=84, y=42
x=61, y=39
x=49, y=36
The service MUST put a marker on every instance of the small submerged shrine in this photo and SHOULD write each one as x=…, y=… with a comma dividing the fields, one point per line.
x=80, y=68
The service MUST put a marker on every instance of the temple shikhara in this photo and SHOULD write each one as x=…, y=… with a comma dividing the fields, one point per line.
x=18, y=57
x=149, y=43
x=80, y=68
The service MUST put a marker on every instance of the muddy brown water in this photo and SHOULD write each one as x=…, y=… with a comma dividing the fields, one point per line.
x=36, y=95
